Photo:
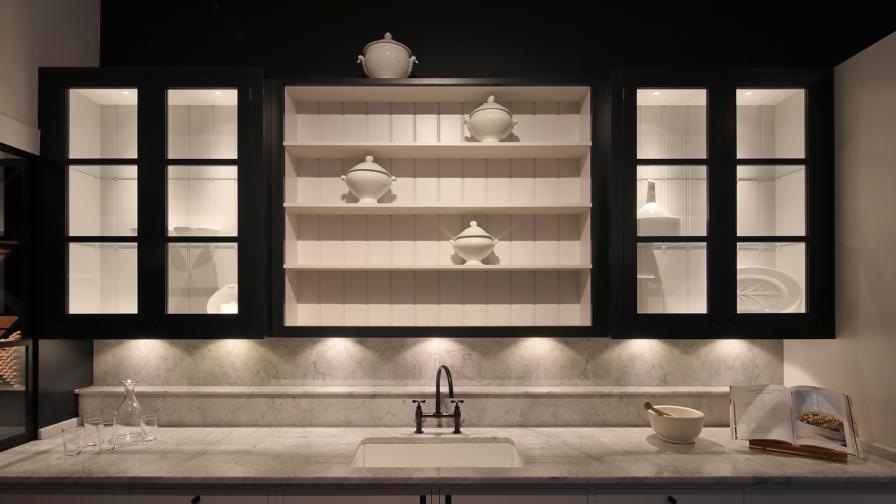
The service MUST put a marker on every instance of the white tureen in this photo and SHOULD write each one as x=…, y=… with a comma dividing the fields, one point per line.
x=387, y=59
x=368, y=181
x=473, y=244
x=491, y=122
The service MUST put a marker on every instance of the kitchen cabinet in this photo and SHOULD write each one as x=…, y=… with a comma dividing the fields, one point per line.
x=822, y=496
x=721, y=196
x=155, y=210
x=389, y=267
x=670, y=496
x=508, y=496
x=198, y=496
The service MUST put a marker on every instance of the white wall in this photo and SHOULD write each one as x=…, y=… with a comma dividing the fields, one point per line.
x=861, y=360
x=36, y=33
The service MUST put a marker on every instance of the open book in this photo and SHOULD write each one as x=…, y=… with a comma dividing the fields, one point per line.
x=804, y=416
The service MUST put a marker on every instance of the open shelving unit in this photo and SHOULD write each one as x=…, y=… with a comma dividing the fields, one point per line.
x=391, y=264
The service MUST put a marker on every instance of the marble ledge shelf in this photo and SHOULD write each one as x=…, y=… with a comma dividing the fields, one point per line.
x=408, y=391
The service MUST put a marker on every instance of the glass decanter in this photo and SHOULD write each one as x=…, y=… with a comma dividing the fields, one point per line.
x=127, y=417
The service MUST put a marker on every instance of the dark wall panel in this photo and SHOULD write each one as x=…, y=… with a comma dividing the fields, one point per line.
x=558, y=39
x=63, y=366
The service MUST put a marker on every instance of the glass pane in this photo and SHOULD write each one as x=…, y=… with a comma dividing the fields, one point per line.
x=102, y=278
x=202, y=123
x=671, y=123
x=102, y=200
x=671, y=278
x=102, y=123
x=771, y=123
x=771, y=200
x=671, y=201
x=202, y=200
x=771, y=277
x=202, y=278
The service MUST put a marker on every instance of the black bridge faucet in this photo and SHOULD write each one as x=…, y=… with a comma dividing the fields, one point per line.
x=419, y=415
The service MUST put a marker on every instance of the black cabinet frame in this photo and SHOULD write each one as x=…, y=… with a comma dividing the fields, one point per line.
x=600, y=136
x=152, y=319
x=721, y=319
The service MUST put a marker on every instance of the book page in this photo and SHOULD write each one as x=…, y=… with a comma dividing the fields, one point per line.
x=823, y=418
x=762, y=412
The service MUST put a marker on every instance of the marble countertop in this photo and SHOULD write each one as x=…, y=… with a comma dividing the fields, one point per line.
x=558, y=456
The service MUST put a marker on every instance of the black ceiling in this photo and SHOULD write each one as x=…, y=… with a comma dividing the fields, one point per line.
x=488, y=39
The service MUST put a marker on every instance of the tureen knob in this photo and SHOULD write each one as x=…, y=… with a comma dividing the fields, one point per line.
x=387, y=36
x=491, y=98
x=473, y=223
x=369, y=159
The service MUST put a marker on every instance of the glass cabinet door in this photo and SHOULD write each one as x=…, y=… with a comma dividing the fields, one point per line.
x=202, y=201
x=721, y=197
x=101, y=186
x=771, y=200
x=671, y=200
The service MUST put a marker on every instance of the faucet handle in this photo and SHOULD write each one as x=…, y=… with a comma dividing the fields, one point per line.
x=457, y=401
x=418, y=401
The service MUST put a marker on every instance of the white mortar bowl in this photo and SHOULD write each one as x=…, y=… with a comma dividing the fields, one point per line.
x=683, y=428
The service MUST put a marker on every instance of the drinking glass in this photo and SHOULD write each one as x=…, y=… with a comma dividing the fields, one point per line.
x=71, y=440
x=149, y=424
x=93, y=431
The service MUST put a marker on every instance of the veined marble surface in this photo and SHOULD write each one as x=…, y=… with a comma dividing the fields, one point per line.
x=391, y=406
x=528, y=362
x=283, y=456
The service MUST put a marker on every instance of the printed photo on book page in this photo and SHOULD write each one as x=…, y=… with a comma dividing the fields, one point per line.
x=822, y=418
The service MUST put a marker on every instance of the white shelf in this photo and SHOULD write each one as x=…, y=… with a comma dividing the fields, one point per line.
x=471, y=150
x=424, y=93
x=413, y=209
x=437, y=267
x=387, y=264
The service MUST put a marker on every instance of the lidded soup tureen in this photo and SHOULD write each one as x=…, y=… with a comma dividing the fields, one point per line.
x=368, y=181
x=473, y=244
x=387, y=59
x=490, y=122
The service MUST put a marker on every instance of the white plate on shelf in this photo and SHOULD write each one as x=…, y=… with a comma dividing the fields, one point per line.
x=224, y=300
x=766, y=290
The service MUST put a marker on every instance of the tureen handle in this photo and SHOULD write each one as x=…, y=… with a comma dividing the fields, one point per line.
x=361, y=61
x=411, y=65
x=342, y=178
x=451, y=241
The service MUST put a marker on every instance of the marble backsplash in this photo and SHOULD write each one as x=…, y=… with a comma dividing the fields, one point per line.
x=413, y=362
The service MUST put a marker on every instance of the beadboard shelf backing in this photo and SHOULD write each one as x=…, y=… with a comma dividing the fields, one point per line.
x=347, y=264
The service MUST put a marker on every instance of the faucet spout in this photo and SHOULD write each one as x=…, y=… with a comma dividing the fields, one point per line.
x=439, y=387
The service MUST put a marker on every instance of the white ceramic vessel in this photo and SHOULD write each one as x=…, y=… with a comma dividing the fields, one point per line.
x=491, y=122
x=387, y=59
x=473, y=244
x=653, y=219
x=766, y=290
x=683, y=427
x=368, y=181
x=225, y=300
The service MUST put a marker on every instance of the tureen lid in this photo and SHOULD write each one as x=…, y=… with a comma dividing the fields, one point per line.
x=387, y=38
x=473, y=231
x=369, y=165
x=491, y=104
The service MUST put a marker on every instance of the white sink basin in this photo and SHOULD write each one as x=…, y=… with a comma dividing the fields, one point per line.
x=436, y=452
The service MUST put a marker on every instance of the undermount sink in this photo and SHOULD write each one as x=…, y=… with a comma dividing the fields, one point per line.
x=436, y=452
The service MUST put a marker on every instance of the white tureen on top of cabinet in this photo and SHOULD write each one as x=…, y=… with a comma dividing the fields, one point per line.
x=473, y=244
x=387, y=59
x=368, y=181
x=491, y=122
